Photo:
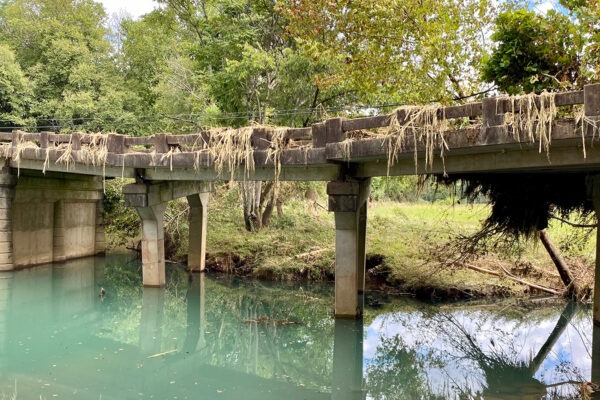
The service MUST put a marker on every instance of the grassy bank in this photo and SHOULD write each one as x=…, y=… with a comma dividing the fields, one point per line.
x=405, y=245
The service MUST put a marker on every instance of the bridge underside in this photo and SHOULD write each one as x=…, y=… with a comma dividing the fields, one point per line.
x=167, y=167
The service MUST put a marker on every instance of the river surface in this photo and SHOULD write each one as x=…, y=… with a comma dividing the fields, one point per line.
x=220, y=337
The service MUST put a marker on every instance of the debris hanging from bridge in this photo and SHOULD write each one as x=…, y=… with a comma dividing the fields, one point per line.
x=522, y=204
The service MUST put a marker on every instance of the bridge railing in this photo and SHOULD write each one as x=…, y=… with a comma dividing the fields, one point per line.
x=490, y=112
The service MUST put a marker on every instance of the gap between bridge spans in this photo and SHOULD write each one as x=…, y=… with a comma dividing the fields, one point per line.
x=253, y=153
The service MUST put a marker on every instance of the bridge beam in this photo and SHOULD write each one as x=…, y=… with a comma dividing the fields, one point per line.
x=198, y=225
x=150, y=200
x=348, y=200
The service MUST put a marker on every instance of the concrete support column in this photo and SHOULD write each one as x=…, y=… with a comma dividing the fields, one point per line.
x=150, y=199
x=59, y=245
x=198, y=224
x=100, y=244
x=592, y=114
x=348, y=200
x=153, y=244
x=8, y=181
x=595, y=376
x=593, y=186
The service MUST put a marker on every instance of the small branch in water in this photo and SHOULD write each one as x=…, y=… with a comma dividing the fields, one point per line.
x=162, y=354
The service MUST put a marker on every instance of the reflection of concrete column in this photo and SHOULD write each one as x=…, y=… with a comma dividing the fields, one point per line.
x=347, y=383
x=198, y=224
x=99, y=267
x=8, y=182
x=153, y=302
x=595, y=378
x=193, y=317
x=6, y=284
x=348, y=200
x=596, y=354
x=202, y=341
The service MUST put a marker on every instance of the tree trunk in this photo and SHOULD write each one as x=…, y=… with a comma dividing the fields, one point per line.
x=279, y=203
x=253, y=198
x=268, y=193
x=268, y=213
x=256, y=206
x=246, y=205
x=563, y=269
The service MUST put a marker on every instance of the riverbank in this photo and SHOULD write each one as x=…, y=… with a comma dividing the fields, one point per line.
x=405, y=244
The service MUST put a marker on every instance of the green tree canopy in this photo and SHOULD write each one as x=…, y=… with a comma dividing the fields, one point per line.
x=62, y=47
x=15, y=90
x=534, y=52
x=413, y=51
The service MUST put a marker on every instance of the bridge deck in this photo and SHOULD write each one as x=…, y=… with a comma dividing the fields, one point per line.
x=317, y=152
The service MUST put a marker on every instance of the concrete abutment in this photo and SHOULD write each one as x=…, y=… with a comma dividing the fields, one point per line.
x=48, y=218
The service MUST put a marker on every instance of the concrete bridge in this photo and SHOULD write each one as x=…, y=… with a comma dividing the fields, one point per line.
x=51, y=185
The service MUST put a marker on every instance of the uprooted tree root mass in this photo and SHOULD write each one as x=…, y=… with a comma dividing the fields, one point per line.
x=521, y=207
x=523, y=204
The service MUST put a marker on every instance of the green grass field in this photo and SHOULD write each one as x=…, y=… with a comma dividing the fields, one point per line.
x=402, y=238
x=406, y=249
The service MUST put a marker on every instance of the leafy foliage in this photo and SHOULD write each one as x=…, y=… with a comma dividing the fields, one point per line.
x=415, y=51
x=15, y=89
x=534, y=52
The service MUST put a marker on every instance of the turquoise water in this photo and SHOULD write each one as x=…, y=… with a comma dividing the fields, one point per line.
x=220, y=337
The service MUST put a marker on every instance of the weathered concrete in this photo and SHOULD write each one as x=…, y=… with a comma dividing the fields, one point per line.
x=153, y=244
x=198, y=229
x=33, y=233
x=74, y=230
x=53, y=218
x=7, y=193
x=100, y=242
x=150, y=200
x=348, y=200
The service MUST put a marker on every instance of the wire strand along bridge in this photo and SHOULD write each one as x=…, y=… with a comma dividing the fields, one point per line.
x=51, y=185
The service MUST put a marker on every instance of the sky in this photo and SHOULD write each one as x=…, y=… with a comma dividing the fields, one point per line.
x=134, y=7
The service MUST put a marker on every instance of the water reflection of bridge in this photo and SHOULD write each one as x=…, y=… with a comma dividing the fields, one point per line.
x=63, y=358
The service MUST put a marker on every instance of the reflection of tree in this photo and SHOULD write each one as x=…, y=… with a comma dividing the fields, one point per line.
x=243, y=326
x=506, y=376
x=398, y=372
x=246, y=328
